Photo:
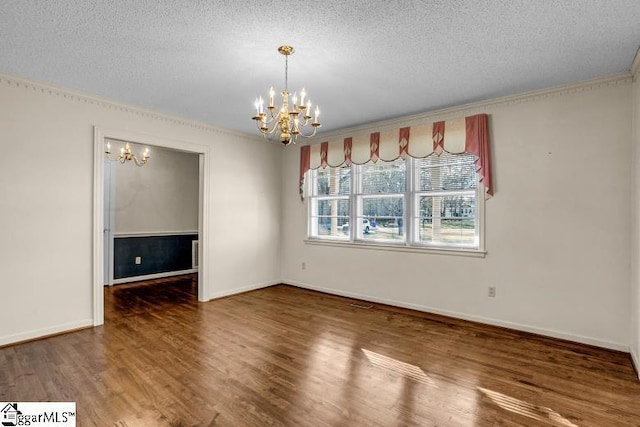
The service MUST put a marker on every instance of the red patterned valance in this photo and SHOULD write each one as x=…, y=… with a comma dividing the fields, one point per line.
x=465, y=135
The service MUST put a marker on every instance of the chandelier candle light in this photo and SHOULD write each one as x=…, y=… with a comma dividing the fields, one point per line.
x=290, y=121
x=126, y=155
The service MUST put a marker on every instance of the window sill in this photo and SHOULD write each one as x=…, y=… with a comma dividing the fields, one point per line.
x=476, y=253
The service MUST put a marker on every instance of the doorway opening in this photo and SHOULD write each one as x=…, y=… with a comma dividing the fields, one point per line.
x=103, y=264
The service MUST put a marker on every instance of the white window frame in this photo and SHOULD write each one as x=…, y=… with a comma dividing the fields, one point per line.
x=312, y=229
x=478, y=193
x=359, y=196
x=410, y=218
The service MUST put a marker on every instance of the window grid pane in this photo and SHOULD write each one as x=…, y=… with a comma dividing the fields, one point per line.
x=447, y=219
x=332, y=181
x=446, y=172
x=385, y=216
x=383, y=177
x=381, y=202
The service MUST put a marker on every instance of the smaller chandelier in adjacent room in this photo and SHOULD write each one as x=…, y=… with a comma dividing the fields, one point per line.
x=288, y=121
x=126, y=155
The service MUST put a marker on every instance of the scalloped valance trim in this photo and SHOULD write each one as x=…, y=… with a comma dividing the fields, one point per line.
x=468, y=135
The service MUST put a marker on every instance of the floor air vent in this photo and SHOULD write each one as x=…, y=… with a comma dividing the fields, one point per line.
x=366, y=307
x=194, y=254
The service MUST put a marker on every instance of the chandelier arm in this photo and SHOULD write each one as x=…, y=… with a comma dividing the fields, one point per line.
x=273, y=118
x=305, y=121
x=313, y=132
x=138, y=162
x=262, y=118
x=262, y=124
x=267, y=131
x=302, y=121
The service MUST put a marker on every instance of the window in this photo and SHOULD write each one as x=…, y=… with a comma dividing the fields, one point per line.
x=445, y=201
x=430, y=202
x=330, y=202
x=380, y=199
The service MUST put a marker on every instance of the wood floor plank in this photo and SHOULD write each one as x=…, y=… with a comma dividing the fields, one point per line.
x=283, y=356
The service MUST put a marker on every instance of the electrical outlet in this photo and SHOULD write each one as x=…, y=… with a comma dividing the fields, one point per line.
x=492, y=291
x=304, y=265
x=138, y=260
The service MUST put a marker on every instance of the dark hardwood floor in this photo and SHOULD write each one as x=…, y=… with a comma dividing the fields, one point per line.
x=284, y=356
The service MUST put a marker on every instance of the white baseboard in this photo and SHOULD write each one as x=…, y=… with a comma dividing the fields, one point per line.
x=463, y=316
x=67, y=327
x=235, y=291
x=636, y=361
x=40, y=333
x=153, y=276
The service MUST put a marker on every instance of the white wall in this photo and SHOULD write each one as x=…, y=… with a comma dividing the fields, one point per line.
x=557, y=229
x=161, y=196
x=46, y=202
x=557, y=237
x=635, y=260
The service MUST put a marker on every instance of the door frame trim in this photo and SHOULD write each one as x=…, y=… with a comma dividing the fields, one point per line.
x=99, y=136
x=111, y=197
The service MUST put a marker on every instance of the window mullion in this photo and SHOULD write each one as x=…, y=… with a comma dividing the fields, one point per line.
x=479, y=214
x=353, y=205
x=434, y=193
x=336, y=197
x=312, y=204
x=409, y=209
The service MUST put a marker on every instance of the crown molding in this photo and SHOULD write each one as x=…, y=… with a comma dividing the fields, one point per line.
x=82, y=97
x=635, y=65
x=412, y=120
x=476, y=107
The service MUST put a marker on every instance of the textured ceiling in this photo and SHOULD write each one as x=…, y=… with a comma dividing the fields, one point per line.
x=361, y=61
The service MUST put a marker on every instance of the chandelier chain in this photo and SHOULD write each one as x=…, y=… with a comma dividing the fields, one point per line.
x=286, y=73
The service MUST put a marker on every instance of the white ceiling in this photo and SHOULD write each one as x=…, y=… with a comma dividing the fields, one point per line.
x=361, y=61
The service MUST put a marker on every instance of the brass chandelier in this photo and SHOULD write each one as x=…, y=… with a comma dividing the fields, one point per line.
x=287, y=121
x=126, y=155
